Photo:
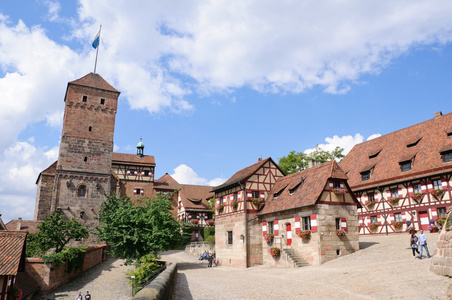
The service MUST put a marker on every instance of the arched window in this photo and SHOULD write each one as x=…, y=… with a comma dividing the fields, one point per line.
x=82, y=191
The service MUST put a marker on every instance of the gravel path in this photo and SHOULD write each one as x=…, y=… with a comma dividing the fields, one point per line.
x=384, y=268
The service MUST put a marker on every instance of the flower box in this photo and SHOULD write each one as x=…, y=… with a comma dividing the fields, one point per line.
x=220, y=208
x=305, y=234
x=195, y=221
x=234, y=204
x=417, y=197
x=274, y=251
x=393, y=201
x=339, y=191
x=341, y=232
x=370, y=204
x=210, y=222
x=373, y=226
x=440, y=221
x=269, y=237
x=433, y=228
x=257, y=201
x=437, y=193
x=398, y=225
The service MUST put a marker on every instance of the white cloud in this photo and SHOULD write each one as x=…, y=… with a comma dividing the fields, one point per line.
x=185, y=175
x=373, y=136
x=54, y=8
x=346, y=142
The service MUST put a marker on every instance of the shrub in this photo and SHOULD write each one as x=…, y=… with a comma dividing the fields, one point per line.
x=73, y=256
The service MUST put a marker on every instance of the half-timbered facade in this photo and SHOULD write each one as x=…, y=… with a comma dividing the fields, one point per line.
x=12, y=257
x=316, y=202
x=237, y=202
x=403, y=176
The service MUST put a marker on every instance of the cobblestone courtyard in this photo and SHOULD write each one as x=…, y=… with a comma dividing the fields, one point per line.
x=383, y=269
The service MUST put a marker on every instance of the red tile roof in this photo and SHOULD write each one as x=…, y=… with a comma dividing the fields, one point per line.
x=132, y=159
x=25, y=225
x=166, y=179
x=27, y=284
x=12, y=251
x=244, y=174
x=432, y=139
x=194, y=197
x=94, y=80
x=311, y=183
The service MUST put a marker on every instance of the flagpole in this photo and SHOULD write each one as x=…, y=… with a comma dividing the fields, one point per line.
x=97, y=50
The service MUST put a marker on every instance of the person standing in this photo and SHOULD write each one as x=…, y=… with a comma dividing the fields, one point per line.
x=87, y=296
x=422, y=242
x=210, y=258
x=413, y=242
x=79, y=297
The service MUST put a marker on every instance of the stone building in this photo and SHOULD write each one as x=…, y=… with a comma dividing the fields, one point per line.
x=403, y=176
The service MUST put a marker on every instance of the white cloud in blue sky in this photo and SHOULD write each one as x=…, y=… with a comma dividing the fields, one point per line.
x=213, y=85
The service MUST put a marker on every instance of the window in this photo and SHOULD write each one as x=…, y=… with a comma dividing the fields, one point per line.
x=102, y=101
x=85, y=159
x=138, y=191
x=365, y=175
x=447, y=156
x=292, y=191
x=229, y=237
x=236, y=196
x=371, y=197
x=82, y=191
x=270, y=227
x=417, y=188
x=85, y=98
x=338, y=223
x=398, y=217
x=256, y=194
x=395, y=193
x=221, y=201
x=132, y=172
x=441, y=212
x=373, y=219
x=405, y=166
x=90, y=128
x=146, y=173
x=336, y=184
x=306, y=223
x=437, y=185
x=278, y=193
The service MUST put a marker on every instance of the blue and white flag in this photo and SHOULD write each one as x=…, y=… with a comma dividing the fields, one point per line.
x=96, y=40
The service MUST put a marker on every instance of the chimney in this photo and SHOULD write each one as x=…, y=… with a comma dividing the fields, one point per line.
x=260, y=159
x=19, y=224
x=312, y=163
x=437, y=115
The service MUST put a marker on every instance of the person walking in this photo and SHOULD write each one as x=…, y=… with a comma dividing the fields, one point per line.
x=422, y=242
x=87, y=296
x=79, y=297
x=413, y=244
x=210, y=258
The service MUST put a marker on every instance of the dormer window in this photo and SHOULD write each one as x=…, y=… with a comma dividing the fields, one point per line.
x=365, y=175
x=275, y=196
x=405, y=166
x=447, y=156
x=292, y=190
x=413, y=142
x=374, y=153
x=366, y=172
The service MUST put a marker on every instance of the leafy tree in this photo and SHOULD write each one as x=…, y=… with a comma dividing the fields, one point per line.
x=136, y=230
x=55, y=232
x=297, y=161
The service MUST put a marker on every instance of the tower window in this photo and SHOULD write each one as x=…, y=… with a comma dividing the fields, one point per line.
x=85, y=159
x=82, y=191
x=85, y=98
x=102, y=101
x=89, y=129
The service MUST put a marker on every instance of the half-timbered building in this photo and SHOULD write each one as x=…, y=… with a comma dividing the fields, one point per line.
x=238, y=239
x=403, y=176
x=303, y=214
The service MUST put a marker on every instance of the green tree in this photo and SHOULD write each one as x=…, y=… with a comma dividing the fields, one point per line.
x=297, y=161
x=55, y=232
x=136, y=230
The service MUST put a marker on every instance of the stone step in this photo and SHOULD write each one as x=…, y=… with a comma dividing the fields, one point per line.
x=297, y=259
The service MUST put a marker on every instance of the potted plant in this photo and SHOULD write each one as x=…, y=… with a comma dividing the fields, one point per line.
x=235, y=204
x=411, y=229
x=256, y=201
x=305, y=234
x=440, y=221
x=393, y=201
x=274, y=251
x=370, y=204
x=220, y=208
x=339, y=191
x=373, y=226
x=433, y=228
x=195, y=221
x=398, y=225
x=437, y=193
x=416, y=197
x=269, y=237
x=14, y=293
x=341, y=232
x=211, y=222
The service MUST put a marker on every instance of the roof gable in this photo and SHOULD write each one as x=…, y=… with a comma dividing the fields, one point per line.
x=422, y=143
x=12, y=251
x=195, y=197
x=94, y=80
x=132, y=159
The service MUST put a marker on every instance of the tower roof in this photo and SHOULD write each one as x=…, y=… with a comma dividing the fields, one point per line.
x=94, y=80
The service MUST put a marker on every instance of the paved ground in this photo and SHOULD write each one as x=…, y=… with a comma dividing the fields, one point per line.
x=383, y=269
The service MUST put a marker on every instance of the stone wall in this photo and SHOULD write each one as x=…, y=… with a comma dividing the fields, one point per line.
x=44, y=196
x=233, y=255
x=442, y=259
x=50, y=277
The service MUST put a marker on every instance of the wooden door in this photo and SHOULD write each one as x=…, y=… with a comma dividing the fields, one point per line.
x=289, y=234
x=423, y=219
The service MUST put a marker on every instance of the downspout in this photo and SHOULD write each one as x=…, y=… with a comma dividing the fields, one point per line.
x=246, y=226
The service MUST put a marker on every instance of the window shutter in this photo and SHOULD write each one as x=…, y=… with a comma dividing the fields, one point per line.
x=264, y=228
x=135, y=191
x=313, y=223
x=142, y=192
x=434, y=213
x=424, y=188
x=262, y=195
x=388, y=194
x=128, y=172
x=330, y=183
x=410, y=190
x=360, y=222
x=142, y=173
x=400, y=192
x=403, y=216
x=376, y=196
x=444, y=183
x=297, y=225
x=391, y=218
x=249, y=196
x=275, y=227
x=344, y=224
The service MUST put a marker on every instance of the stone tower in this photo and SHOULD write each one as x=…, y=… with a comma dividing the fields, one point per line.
x=82, y=175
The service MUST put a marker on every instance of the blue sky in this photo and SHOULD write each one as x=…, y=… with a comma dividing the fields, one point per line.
x=213, y=86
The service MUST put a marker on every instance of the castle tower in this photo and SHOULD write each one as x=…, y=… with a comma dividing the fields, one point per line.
x=83, y=171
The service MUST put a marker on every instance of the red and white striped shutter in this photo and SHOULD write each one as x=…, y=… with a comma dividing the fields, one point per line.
x=275, y=227
x=430, y=186
x=264, y=228
x=134, y=191
x=434, y=213
x=360, y=222
x=444, y=183
x=376, y=196
x=388, y=194
x=424, y=188
x=262, y=195
x=142, y=192
x=400, y=192
x=225, y=200
x=379, y=220
x=218, y=201
x=249, y=195
x=410, y=190
x=344, y=224
x=142, y=173
x=239, y=195
x=313, y=223
x=342, y=185
x=391, y=218
x=128, y=172
x=297, y=225
x=366, y=198
x=403, y=216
